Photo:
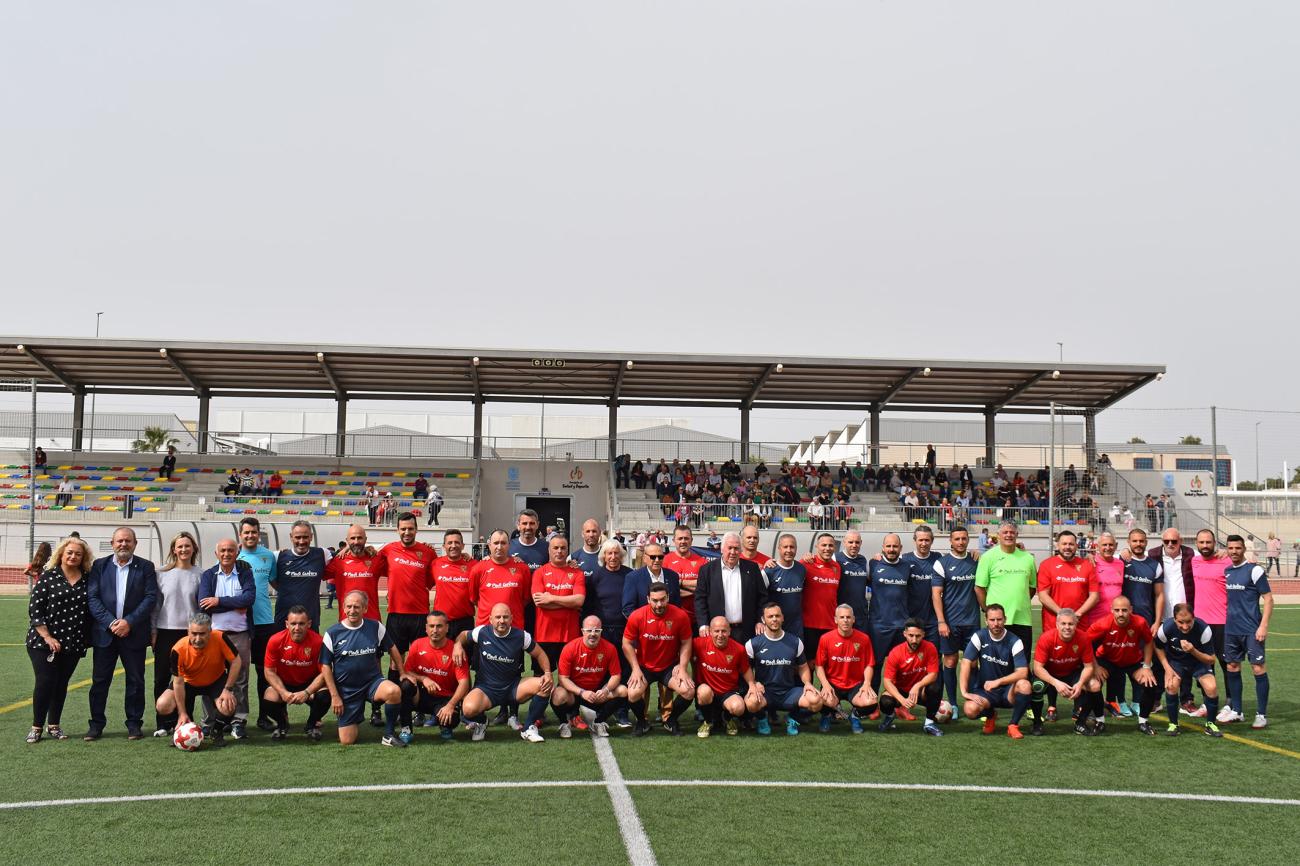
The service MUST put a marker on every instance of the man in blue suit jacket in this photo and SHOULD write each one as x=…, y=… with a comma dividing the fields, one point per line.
x=122, y=590
x=637, y=585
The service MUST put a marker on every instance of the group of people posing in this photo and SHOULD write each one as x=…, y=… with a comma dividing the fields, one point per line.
x=836, y=634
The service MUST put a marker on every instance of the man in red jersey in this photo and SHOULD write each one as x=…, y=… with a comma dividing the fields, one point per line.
x=657, y=645
x=686, y=564
x=356, y=567
x=845, y=665
x=559, y=590
x=432, y=682
x=499, y=579
x=590, y=671
x=1066, y=580
x=293, y=674
x=749, y=546
x=821, y=591
x=409, y=566
x=720, y=664
x=911, y=677
x=451, y=584
x=1064, y=664
x=1122, y=646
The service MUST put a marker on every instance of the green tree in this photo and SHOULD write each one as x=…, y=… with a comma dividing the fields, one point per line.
x=1137, y=440
x=1190, y=440
x=153, y=439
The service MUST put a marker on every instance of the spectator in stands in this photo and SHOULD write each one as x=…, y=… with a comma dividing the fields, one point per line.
x=1126, y=517
x=247, y=484
x=421, y=487
x=39, y=560
x=931, y=459
x=1103, y=460
x=1150, y=506
x=275, y=485
x=622, y=471
x=639, y=475
x=372, y=502
x=64, y=496
x=39, y=465
x=433, y=504
x=1274, y=554
x=760, y=471
x=168, y=467
x=232, y=484
x=816, y=514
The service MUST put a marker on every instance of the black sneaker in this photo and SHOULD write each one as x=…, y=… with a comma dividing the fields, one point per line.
x=376, y=718
x=93, y=734
x=1082, y=730
x=500, y=718
x=1099, y=728
x=641, y=728
x=313, y=733
x=394, y=741
x=279, y=733
x=217, y=738
x=1145, y=728
x=417, y=720
x=238, y=731
x=674, y=729
x=266, y=723
x=621, y=719
x=1036, y=729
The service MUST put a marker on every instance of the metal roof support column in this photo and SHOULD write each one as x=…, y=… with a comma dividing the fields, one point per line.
x=478, y=430
x=1090, y=439
x=744, y=433
x=205, y=406
x=78, y=417
x=875, y=434
x=990, y=438
x=341, y=427
x=612, y=451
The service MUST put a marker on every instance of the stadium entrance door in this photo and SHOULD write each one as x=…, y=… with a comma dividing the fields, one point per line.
x=551, y=511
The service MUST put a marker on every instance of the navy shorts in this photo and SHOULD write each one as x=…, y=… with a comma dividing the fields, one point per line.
x=958, y=637
x=355, y=700
x=499, y=695
x=1000, y=698
x=1239, y=647
x=1192, y=669
x=783, y=699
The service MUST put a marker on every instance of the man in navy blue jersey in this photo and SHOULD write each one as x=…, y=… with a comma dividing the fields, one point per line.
x=349, y=659
x=1246, y=629
x=995, y=674
x=500, y=651
x=782, y=680
x=952, y=593
x=1185, y=647
x=891, y=579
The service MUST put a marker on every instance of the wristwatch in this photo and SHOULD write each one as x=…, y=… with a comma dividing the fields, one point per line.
x=1146, y=665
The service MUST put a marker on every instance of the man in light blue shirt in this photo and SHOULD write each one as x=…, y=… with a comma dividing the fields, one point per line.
x=262, y=561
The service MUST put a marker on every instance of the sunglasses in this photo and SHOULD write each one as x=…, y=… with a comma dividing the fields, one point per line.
x=652, y=556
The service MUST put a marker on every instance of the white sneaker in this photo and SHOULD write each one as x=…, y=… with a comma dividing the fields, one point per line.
x=599, y=729
x=1199, y=713
x=1234, y=716
x=477, y=731
x=532, y=735
x=588, y=715
x=1225, y=713
x=1260, y=722
x=513, y=722
x=565, y=731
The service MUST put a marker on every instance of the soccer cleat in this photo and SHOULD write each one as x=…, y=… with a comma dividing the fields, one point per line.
x=1212, y=730
x=405, y=735
x=732, y=728
x=513, y=722
x=875, y=714
x=1036, y=729
x=580, y=722
x=566, y=731
x=532, y=735
x=1189, y=708
x=990, y=723
x=1133, y=708
x=417, y=720
x=1051, y=714
x=392, y=741
x=1225, y=714
x=238, y=731
x=586, y=715
x=1145, y=728
x=266, y=723
x=1233, y=716
x=1083, y=730
x=280, y=733
x=703, y=732
x=500, y=717
x=931, y=729
x=825, y=725
x=1260, y=722
x=1099, y=728
x=1013, y=731
x=376, y=718
x=430, y=720
x=886, y=724
x=217, y=738
x=1114, y=709
x=163, y=732
x=477, y=731
x=855, y=724
x=674, y=728
x=905, y=715
x=1172, y=730
x=791, y=727
x=600, y=729
x=641, y=728
x=446, y=733
x=1196, y=712
x=313, y=733
x=1125, y=710
x=762, y=726
x=621, y=719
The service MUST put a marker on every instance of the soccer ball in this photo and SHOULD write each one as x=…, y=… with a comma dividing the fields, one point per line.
x=188, y=737
x=945, y=712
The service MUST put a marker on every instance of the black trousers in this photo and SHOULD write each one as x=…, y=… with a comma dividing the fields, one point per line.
x=162, y=673
x=317, y=708
x=417, y=700
x=210, y=693
x=261, y=636
x=51, y=689
x=105, y=663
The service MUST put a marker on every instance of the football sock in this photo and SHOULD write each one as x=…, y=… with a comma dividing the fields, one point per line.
x=1261, y=693
x=1234, y=689
x=1018, y=708
x=391, y=712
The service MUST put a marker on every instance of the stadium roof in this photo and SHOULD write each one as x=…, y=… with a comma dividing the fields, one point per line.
x=245, y=369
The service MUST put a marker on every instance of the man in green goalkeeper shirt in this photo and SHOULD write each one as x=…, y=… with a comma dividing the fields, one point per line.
x=1008, y=576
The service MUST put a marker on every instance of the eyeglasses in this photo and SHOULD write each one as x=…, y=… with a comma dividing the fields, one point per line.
x=1172, y=540
x=591, y=631
x=653, y=556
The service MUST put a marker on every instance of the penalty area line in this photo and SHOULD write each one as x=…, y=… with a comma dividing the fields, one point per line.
x=639, y=852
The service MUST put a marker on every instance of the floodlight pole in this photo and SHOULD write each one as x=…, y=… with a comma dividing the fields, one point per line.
x=1051, y=483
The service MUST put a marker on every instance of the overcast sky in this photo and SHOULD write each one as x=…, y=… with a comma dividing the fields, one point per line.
x=971, y=180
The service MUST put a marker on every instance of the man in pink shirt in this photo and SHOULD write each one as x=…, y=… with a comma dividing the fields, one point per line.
x=1212, y=594
x=1110, y=585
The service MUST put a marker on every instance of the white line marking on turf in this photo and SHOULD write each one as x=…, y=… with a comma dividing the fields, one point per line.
x=625, y=784
x=981, y=789
x=639, y=852
x=272, y=792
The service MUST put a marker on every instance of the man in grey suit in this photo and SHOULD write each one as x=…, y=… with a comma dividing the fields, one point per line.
x=730, y=587
x=122, y=590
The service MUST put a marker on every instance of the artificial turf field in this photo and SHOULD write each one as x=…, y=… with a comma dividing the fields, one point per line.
x=485, y=817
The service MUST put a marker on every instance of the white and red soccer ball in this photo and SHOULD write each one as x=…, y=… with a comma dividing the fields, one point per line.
x=187, y=737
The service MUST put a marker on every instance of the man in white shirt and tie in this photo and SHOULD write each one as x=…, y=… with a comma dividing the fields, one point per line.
x=730, y=587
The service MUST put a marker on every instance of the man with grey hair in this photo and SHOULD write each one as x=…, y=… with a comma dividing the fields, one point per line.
x=227, y=592
x=122, y=590
x=730, y=587
x=204, y=663
x=298, y=574
x=637, y=584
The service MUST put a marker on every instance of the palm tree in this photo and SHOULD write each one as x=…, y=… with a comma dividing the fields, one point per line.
x=154, y=439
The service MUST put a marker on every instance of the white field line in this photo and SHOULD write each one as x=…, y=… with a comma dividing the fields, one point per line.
x=627, y=784
x=639, y=852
